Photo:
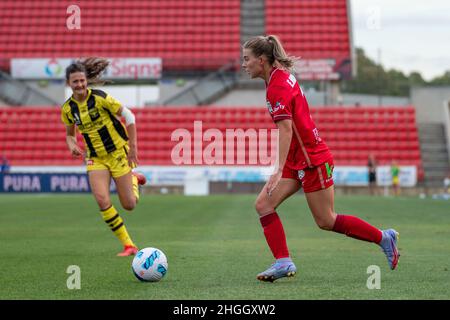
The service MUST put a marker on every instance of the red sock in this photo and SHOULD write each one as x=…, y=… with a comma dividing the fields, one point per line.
x=274, y=233
x=356, y=228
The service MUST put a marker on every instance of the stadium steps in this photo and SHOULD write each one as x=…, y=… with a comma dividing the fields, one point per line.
x=434, y=152
x=207, y=89
x=17, y=93
x=3, y=103
x=253, y=19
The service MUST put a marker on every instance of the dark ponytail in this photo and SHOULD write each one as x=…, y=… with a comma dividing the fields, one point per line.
x=92, y=67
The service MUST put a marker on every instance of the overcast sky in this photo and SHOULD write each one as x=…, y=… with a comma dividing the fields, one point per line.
x=412, y=35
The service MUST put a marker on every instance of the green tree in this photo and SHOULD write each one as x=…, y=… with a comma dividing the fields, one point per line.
x=369, y=78
x=441, y=80
x=372, y=78
x=397, y=84
x=415, y=79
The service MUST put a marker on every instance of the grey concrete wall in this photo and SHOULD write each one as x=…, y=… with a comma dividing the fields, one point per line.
x=3, y=103
x=52, y=89
x=55, y=89
x=374, y=100
x=243, y=97
x=170, y=87
x=257, y=97
x=429, y=103
x=447, y=126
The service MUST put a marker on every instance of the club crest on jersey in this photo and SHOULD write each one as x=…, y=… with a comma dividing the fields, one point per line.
x=90, y=162
x=93, y=113
x=301, y=174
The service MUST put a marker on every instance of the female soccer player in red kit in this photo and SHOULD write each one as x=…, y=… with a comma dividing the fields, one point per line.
x=304, y=161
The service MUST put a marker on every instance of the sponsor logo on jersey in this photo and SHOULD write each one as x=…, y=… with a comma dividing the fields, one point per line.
x=278, y=106
x=77, y=119
x=269, y=106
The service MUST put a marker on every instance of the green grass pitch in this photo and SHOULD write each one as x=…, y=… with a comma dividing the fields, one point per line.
x=215, y=248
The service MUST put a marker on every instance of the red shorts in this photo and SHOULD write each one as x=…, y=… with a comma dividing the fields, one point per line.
x=312, y=179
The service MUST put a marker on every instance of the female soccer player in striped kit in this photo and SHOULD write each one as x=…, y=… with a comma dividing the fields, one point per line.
x=111, y=149
x=304, y=161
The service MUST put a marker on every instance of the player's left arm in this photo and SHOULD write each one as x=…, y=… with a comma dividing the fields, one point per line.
x=130, y=123
x=116, y=107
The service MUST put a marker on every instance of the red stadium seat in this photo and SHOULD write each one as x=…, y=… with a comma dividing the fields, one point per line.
x=160, y=28
x=324, y=31
x=150, y=29
x=32, y=136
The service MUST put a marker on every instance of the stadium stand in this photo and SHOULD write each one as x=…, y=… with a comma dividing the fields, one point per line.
x=312, y=29
x=36, y=136
x=187, y=35
x=191, y=35
x=194, y=35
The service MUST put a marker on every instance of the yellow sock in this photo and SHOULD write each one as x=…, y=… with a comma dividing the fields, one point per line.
x=135, y=187
x=115, y=222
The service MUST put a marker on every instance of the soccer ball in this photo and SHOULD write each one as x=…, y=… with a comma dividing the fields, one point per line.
x=150, y=265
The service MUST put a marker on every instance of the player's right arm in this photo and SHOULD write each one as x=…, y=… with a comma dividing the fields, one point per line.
x=281, y=114
x=71, y=140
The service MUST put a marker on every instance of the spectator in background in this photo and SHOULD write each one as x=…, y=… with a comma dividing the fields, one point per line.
x=447, y=184
x=395, y=172
x=5, y=165
x=372, y=168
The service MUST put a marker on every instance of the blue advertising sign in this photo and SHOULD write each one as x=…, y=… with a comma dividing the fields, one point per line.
x=46, y=182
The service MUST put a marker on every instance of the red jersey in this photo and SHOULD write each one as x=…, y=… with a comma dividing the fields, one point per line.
x=285, y=100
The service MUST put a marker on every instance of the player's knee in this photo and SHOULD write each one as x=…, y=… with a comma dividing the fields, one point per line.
x=129, y=204
x=325, y=224
x=262, y=207
x=103, y=201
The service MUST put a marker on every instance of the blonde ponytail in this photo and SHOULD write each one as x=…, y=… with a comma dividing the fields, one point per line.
x=271, y=47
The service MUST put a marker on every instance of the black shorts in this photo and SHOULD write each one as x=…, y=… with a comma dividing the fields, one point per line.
x=372, y=177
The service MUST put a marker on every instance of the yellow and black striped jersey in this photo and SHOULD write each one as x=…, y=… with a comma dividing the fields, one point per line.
x=96, y=119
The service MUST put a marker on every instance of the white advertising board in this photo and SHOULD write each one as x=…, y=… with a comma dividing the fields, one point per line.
x=54, y=68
